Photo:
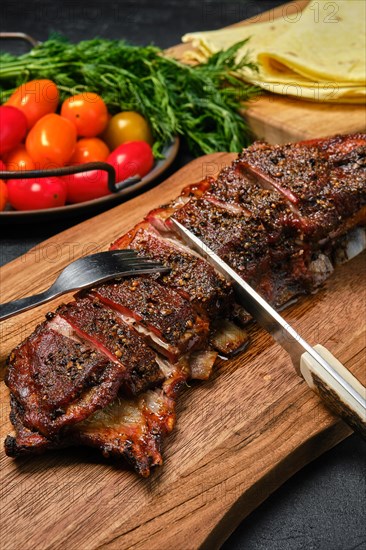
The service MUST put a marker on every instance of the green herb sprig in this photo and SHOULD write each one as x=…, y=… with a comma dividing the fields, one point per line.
x=200, y=102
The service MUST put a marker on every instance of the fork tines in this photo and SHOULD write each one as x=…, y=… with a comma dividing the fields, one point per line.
x=130, y=260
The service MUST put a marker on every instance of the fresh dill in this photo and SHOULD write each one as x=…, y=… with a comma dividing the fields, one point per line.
x=199, y=102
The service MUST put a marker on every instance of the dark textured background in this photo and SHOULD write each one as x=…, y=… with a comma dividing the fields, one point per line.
x=323, y=506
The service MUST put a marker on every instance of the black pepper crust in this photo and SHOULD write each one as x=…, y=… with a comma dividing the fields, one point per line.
x=239, y=240
x=233, y=186
x=109, y=333
x=191, y=276
x=265, y=215
x=58, y=381
x=324, y=180
x=158, y=308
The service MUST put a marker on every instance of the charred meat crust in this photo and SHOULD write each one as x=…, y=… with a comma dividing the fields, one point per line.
x=128, y=430
x=240, y=241
x=323, y=179
x=275, y=215
x=131, y=430
x=25, y=440
x=158, y=309
x=59, y=381
x=191, y=276
x=112, y=336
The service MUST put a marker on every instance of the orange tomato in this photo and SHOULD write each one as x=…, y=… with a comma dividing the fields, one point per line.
x=88, y=112
x=51, y=141
x=89, y=150
x=35, y=99
x=19, y=159
x=3, y=194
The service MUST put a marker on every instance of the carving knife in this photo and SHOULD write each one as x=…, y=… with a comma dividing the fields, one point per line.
x=324, y=374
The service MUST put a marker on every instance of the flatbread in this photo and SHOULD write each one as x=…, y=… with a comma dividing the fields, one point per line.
x=321, y=56
x=327, y=43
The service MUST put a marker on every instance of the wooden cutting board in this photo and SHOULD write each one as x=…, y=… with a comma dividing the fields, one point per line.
x=280, y=119
x=238, y=436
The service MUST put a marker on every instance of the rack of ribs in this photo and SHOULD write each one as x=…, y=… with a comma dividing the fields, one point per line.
x=106, y=369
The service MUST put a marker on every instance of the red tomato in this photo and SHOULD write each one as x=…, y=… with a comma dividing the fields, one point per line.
x=18, y=159
x=3, y=194
x=2, y=165
x=131, y=159
x=86, y=186
x=89, y=150
x=13, y=127
x=35, y=98
x=87, y=112
x=36, y=193
x=51, y=141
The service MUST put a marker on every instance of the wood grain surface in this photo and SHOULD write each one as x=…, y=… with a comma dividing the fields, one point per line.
x=238, y=437
x=281, y=119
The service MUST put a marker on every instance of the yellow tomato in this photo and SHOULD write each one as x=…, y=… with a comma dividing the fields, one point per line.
x=126, y=126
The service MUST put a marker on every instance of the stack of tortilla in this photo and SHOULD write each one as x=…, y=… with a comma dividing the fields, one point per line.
x=317, y=54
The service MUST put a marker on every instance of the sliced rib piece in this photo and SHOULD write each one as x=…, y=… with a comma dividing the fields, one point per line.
x=106, y=330
x=127, y=429
x=191, y=276
x=25, y=441
x=195, y=279
x=130, y=429
x=324, y=180
x=58, y=380
x=238, y=239
x=167, y=321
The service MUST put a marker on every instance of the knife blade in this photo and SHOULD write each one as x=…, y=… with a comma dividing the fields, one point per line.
x=324, y=374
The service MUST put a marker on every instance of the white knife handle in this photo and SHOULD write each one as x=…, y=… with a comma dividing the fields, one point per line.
x=340, y=401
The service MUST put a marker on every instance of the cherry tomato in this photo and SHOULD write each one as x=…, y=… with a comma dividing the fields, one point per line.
x=131, y=159
x=51, y=141
x=89, y=150
x=127, y=126
x=86, y=186
x=87, y=112
x=36, y=99
x=13, y=127
x=19, y=159
x=36, y=194
x=3, y=194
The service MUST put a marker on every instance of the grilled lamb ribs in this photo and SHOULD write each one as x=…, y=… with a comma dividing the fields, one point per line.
x=323, y=181
x=105, y=329
x=106, y=369
x=195, y=280
x=57, y=380
x=167, y=320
